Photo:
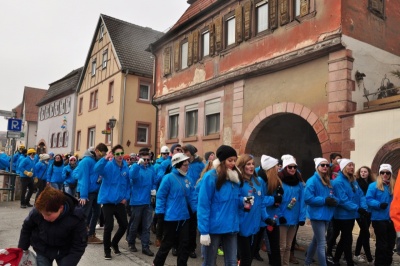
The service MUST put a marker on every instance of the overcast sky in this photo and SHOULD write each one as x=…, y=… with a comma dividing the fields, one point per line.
x=43, y=40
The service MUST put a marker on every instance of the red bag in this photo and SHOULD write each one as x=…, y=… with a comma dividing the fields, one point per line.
x=10, y=256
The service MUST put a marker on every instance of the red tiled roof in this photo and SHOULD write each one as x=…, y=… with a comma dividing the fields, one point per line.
x=31, y=97
x=192, y=10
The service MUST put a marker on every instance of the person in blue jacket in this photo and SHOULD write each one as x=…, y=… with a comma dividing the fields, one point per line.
x=40, y=171
x=54, y=173
x=218, y=207
x=351, y=204
x=4, y=161
x=70, y=182
x=26, y=170
x=174, y=198
x=21, y=157
x=379, y=198
x=15, y=158
x=114, y=193
x=252, y=215
x=142, y=186
x=321, y=203
x=196, y=166
x=164, y=153
x=292, y=207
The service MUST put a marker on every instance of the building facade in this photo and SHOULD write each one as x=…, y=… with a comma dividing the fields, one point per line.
x=272, y=77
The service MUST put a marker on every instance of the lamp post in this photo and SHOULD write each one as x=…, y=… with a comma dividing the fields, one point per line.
x=112, y=121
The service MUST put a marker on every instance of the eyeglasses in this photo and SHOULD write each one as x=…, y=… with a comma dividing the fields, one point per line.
x=292, y=166
x=164, y=153
x=178, y=149
x=119, y=153
x=324, y=165
x=385, y=173
x=146, y=160
x=72, y=160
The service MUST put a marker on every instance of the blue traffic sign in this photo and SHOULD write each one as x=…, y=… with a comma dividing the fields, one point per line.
x=14, y=124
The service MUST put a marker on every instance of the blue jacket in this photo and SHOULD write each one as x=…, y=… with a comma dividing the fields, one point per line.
x=315, y=194
x=374, y=199
x=15, y=158
x=87, y=177
x=4, y=161
x=195, y=169
x=115, y=183
x=249, y=222
x=68, y=174
x=54, y=173
x=173, y=197
x=26, y=164
x=269, y=202
x=18, y=164
x=142, y=181
x=158, y=163
x=350, y=197
x=298, y=212
x=218, y=210
x=41, y=170
x=162, y=168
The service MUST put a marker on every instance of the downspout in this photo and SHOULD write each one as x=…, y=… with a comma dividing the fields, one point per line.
x=123, y=111
x=155, y=106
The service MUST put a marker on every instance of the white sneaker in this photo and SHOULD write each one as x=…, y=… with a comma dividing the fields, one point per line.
x=98, y=227
x=359, y=258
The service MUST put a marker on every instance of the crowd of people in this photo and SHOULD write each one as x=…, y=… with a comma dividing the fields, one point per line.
x=236, y=207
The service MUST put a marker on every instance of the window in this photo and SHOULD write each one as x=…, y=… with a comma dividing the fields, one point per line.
x=184, y=55
x=94, y=99
x=144, y=92
x=78, y=140
x=110, y=92
x=142, y=133
x=62, y=106
x=101, y=33
x=60, y=137
x=52, y=140
x=173, y=123
x=191, y=120
x=230, y=30
x=65, y=139
x=108, y=136
x=56, y=108
x=80, y=105
x=94, y=67
x=296, y=8
x=67, y=105
x=51, y=109
x=91, y=137
x=105, y=58
x=205, y=44
x=57, y=140
x=261, y=16
x=212, y=113
x=377, y=7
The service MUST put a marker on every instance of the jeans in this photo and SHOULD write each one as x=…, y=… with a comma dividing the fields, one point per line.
x=109, y=211
x=142, y=214
x=229, y=245
x=345, y=227
x=385, y=242
x=26, y=184
x=318, y=242
x=287, y=233
x=173, y=230
x=43, y=261
x=69, y=190
x=93, y=207
x=363, y=238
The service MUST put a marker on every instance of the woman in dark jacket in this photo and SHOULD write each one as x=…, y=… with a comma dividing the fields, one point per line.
x=55, y=228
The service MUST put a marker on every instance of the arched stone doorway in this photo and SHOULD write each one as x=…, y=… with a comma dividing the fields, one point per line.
x=287, y=128
x=389, y=153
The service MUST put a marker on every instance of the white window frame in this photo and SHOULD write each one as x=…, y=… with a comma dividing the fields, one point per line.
x=191, y=120
x=205, y=44
x=139, y=134
x=296, y=9
x=105, y=58
x=173, y=118
x=184, y=54
x=262, y=16
x=148, y=91
x=101, y=33
x=91, y=136
x=212, y=110
x=230, y=30
x=94, y=66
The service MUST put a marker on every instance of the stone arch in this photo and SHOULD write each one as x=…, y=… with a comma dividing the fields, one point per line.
x=388, y=153
x=286, y=107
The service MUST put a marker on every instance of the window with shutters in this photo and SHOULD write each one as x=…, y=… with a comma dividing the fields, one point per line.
x=65, y=139
x=173, y=117
x=212, y=114
x=167, y=61
x=205, y=43
x=184, y=54
x=230, y=30
x=262, y=18
x=191, y=112
x=300, y=8
x=377, y=7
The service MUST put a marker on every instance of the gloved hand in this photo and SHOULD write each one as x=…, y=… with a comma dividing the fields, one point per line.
x=205, y=240
x=279, y=190
x=383, y=205
x=270, y=221
x=277, y=199
x=331, y=202
x=251, y=199
x=398, y=244
x=141, y=161
x=282, y=220
x=27, y=173
x=153, y=192
x=362, y=212
x=302, y=223
x=35, y=180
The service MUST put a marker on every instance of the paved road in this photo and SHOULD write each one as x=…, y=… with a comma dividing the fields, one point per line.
x=12, y=216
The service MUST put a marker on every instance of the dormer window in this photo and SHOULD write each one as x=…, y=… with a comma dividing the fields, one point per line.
x=101, y=33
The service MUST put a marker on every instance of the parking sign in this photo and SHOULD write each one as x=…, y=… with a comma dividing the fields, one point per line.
x=14, y=124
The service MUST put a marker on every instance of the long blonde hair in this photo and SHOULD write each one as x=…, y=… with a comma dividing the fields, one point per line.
x=208, y=166
x=273, y=180
x=379, y=184
x=325, y=178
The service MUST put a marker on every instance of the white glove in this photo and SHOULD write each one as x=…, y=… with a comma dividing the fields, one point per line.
x=205, y=240
x=251, y=199
x=141, y=161
x=153, y=192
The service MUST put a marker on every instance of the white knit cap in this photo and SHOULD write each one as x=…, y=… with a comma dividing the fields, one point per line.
x=287, y=159
x=386, y=167
x=343, y=162
x=267, y=162
x=318, y=161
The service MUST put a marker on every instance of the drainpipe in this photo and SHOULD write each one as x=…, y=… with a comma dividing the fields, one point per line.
x=155, y=106
x=120, y=128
